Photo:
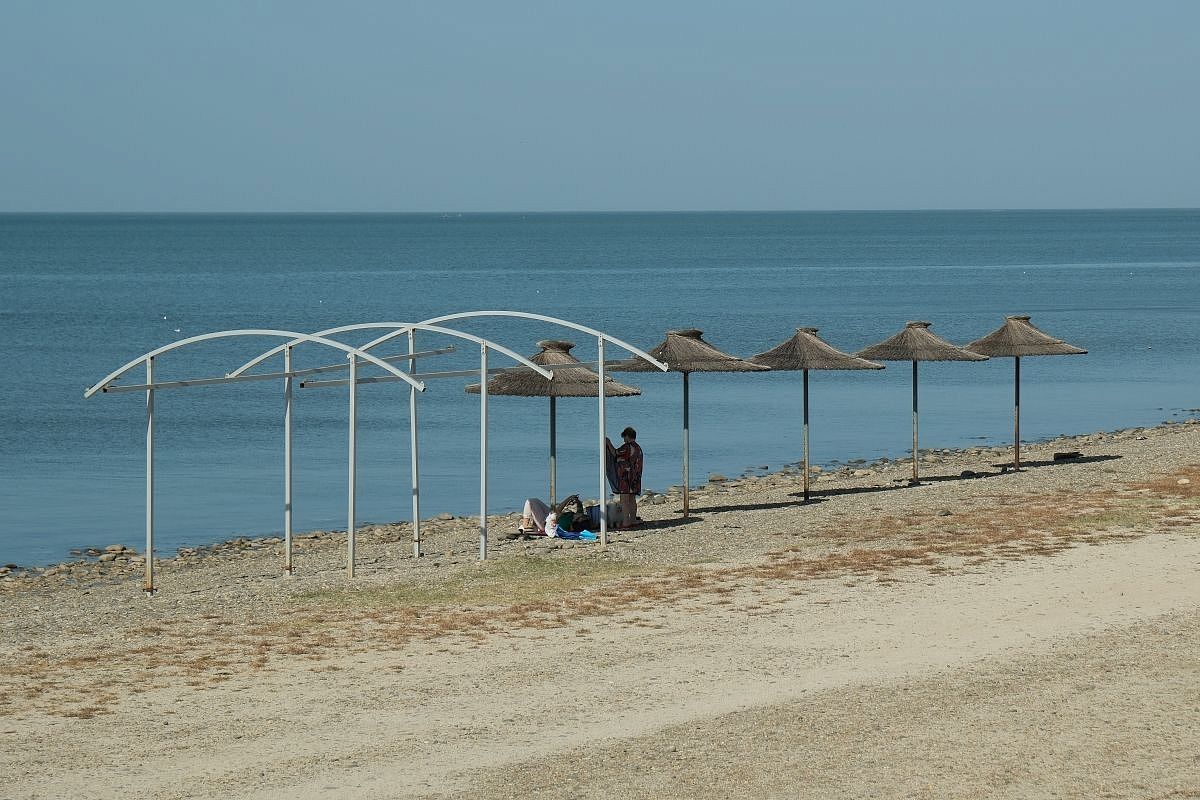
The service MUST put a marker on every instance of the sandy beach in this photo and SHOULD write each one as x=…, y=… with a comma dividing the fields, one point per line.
x=985, y=634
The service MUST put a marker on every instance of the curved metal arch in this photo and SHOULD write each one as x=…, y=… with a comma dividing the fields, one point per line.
x=296, y=337
x=542, y=318
x=399, y=329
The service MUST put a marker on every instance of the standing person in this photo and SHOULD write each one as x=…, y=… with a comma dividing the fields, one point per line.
x=629, y=475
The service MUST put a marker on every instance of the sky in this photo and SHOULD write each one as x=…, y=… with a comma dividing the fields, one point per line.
x=561, y=106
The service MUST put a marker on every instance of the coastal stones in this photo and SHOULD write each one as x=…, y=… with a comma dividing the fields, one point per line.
x=717, y=477
x=444, y=517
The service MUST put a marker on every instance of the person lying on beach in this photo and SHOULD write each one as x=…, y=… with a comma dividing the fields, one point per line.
x=570, y=515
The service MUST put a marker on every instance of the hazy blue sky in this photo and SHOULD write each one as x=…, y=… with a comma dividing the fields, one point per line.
x=615, y=105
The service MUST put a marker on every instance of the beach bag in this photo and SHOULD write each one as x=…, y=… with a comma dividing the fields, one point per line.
x=593, y=513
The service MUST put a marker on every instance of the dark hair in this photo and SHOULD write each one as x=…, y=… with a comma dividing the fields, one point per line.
x=630, y=432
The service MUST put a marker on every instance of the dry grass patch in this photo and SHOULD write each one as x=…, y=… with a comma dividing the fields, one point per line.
x=1182, y=483
x=522, y=579
x=528, y=593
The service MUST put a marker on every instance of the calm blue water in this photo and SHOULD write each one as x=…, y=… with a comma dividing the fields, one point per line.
x=82, y=294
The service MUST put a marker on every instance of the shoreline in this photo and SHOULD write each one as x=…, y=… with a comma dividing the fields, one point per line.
x=117, y=560
x=81, y=557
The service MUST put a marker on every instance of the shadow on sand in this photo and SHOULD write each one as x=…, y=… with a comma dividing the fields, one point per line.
x=821, y=495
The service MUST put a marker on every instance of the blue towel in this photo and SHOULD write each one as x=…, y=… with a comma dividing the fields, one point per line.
x=586, y=536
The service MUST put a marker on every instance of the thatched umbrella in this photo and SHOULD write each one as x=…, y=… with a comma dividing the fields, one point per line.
x=686, y=351
x=1015, y=338
x=805, y=351
x=916, y=343
x=569, y=381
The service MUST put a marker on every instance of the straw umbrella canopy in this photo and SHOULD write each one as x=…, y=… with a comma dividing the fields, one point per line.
x=686, y=351
x=1015, y=338
x=917, y=343
x=568, y=381
x=805, y=351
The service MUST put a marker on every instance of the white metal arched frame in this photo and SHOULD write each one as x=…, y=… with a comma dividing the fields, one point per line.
x=601, y=337
x=396, y=329
x=105, y=385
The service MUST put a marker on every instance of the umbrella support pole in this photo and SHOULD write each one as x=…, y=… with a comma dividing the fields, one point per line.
x=686, y=449
x=805, y=436
x=916, y=477
x=553, y=451
x=1017, y=415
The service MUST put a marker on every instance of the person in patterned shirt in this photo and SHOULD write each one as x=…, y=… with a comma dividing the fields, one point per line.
x=629, y=476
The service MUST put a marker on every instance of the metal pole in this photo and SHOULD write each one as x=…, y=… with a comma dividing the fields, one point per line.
x=686, y=452
x=483, y=476
x=806, y=436
x=1017, y=415
x=287, y=461
x=414, y=455
x=148, y=586
x=553, y=450
x=916, y=477
x=603, y=444
x=353, y=466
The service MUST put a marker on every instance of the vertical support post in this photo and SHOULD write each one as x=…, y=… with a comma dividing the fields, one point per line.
x=806, y=436
x=287, y=461
x=553, y=450
x=414, y=453
x=916, y=478
x=600, y=409
x=687, y=470
x=148, y=585
x=352, y=460
x=1017, y=415
x=483, y=453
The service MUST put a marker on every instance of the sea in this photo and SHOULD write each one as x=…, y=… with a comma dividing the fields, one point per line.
x=83, y=294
